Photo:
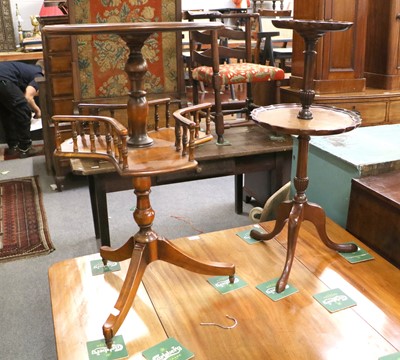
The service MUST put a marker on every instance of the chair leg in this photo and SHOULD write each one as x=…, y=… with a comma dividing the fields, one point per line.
x=202, y=88
x=239, y=193
x=219, y=116
x=277, y=91
x=195, y=91
x=232, y=90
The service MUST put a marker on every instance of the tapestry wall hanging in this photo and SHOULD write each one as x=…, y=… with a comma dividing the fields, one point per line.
x=101, y=59
x=7, y=36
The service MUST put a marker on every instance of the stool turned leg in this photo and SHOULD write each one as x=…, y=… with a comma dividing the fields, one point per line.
x=143, y=248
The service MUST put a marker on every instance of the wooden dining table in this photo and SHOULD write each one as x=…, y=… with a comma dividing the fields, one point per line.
x=172, y=302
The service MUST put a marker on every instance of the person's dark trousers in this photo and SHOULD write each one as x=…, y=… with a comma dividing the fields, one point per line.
x=15, y=115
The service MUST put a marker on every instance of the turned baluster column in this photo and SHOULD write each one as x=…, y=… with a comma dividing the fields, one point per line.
x=144, y=213
x=301, y=179
x=138, y=109
x=307, y=93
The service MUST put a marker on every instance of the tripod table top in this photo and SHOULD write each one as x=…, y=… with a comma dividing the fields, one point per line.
x=327, y=120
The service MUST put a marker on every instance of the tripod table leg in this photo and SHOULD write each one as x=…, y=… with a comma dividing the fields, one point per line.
x=130, y=286
x=315, y=214
x=283, y=212
x=171, y=254
x=295, y=220
x=122, y=253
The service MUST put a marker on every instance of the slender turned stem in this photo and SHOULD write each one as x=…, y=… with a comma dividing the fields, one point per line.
x=144, y=213
x=307, y=94
x=138, y=109
x=301, y=178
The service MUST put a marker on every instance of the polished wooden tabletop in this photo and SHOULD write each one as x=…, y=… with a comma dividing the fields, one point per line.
x=327, y=120
x=128, y=28
x=173, y=302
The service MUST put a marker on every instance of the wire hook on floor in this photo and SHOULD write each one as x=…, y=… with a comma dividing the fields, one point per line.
x=219, y=325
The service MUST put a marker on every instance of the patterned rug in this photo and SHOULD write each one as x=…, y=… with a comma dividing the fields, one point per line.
x=23, y=225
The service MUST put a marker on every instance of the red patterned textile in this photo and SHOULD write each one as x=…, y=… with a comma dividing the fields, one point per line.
x=102, y=59
x=23, y=225
x=239, y=73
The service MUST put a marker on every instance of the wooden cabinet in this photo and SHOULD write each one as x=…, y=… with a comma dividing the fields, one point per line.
x=382, y=53
x=56, y=89
x=340, y=55
x=374, y=213
x=58, y=68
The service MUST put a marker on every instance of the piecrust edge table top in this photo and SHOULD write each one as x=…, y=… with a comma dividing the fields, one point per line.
x=327, y=120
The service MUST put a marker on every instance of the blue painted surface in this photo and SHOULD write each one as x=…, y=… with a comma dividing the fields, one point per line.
x=335, y=160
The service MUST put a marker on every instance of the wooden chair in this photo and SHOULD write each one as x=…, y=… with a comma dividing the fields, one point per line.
x=271, y=55
x=272, y=46
x=259, y=4
x=226, y=61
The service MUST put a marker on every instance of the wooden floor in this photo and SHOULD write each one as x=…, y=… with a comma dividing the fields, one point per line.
x=173, y=303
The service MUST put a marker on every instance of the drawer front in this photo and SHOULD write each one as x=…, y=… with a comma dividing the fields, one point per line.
x=63, y=106
x=394, y=112
x=61, y=85
x=57, y=44
x=60, y=64
x=372, y=113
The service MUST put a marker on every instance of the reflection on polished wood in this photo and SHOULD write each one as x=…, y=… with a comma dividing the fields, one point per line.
x=296, y=327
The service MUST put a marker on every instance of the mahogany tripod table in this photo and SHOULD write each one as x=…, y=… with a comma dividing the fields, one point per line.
x=326, y=121
x=304, y=120
x=138, y=154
